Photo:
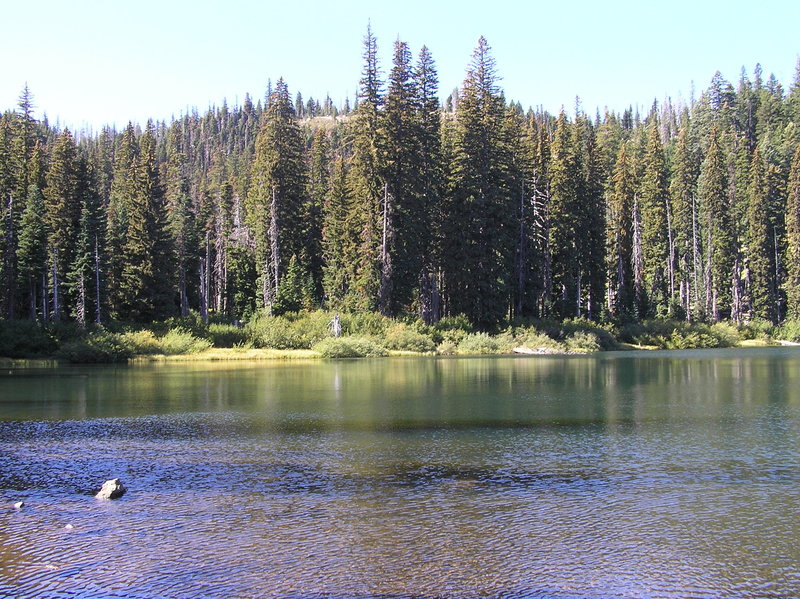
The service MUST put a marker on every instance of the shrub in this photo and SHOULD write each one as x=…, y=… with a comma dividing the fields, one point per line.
x=671, y=334
x=349, y=347
x=311, y=327
x=451, y=328
x=602, y=333
x=226, y=335
x=789, y=331
x=725, y=334
x=24, y=339
x=401, y=337
x=365, y=323
x=757, y=329
x=273, y=332
x=180, y=341
x=529, y=337
x=582, y=342
x=478, y=343
x=447, y=348
x=98, y=348
x=141, y=342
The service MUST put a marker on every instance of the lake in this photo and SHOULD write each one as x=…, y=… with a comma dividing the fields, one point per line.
x=621, y=474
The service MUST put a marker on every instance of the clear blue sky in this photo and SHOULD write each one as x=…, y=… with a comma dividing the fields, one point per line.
x=94, y=62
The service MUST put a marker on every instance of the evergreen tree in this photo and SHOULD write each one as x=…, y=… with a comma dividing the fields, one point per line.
x=687, y=238
x=619, y=235
x=792, y=283
x=590, y=221
x=32, y=249
x=278, y=193
x=761, y=274
x=481, y=185
x=366, y=181
x=82, y=277
x=656, y=227
x=146, y=273
x=339, y=240
x=62, y=217
x=718, y=246
x=403, y=209
x=563, y=233
x=319, y=176
x=429, y=176
x=296, y=290
x=121, y=197
x=180, y=215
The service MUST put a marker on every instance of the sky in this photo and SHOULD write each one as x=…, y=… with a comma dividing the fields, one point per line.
x=91, y=63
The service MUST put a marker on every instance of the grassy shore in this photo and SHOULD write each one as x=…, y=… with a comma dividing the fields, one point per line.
x=308, y=335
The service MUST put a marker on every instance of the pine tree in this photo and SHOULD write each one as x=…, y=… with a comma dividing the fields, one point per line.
x=481, y=190
x=62, y=218
x=429, y=176
x=656, y=229
x=759, y=246
x=32, y=249
x=563, y=233
x=404, y=219
x=716, y=220
x=686, y=240
x=180, y=215
x=121, y=197
x=339, y=240
x=146, y=273
x=366, y=181
x=590, y=221
x=278, y=192
x=82, y=277
x=296, y=290
x=792, y=283
x=319, y=176
x=619, y=236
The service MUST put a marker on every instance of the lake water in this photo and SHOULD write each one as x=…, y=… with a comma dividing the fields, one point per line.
x=617, y=475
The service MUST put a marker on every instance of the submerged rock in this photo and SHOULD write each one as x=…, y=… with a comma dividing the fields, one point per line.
x=111, y=489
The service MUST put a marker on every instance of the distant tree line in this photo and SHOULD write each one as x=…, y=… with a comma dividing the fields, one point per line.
x=407, y=207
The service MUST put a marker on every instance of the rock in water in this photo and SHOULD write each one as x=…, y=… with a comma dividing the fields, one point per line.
x=19, y=505
x=112, y=489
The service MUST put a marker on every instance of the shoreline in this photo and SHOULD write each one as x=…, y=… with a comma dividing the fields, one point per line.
x=238, y=354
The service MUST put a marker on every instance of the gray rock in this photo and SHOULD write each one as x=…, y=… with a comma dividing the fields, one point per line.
x=112, y=489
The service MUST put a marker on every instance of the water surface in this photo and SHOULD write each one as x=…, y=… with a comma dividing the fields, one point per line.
x=617, y=475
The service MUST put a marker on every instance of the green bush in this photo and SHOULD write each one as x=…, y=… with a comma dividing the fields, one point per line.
x=349, y=347
x=603, y=334
x=273, y=332
x=142, y=342
x=365, y=323
x=671, y=334
x=478, y=343
x=24, y=339
x=180, y=341
x=757, y=329
x=66, y=330
x=527, y=336
x=226, y=335
x=401, y=337
x=789, y=331
x=451, y=328
x=98, y=348
x=447, y=348
x=311, y=327
x=582, y=342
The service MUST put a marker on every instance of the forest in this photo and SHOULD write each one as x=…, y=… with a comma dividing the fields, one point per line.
x=411, y=207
